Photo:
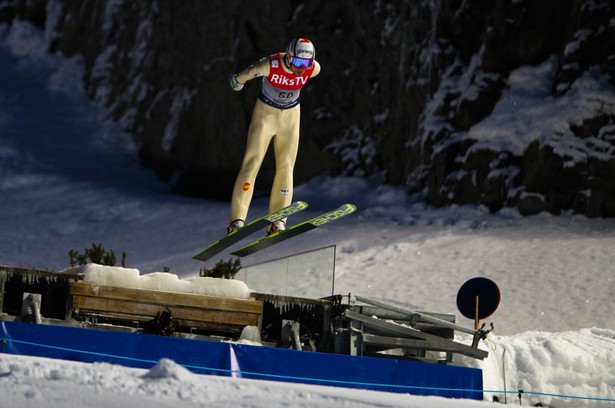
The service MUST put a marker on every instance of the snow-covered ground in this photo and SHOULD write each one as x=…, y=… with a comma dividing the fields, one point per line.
x=68, y=179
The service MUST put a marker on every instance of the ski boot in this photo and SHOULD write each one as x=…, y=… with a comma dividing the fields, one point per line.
x=235, y=225
x=276, y=226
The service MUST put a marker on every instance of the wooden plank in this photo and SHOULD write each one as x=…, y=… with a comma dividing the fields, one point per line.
x=167, y=298
x=103, y=305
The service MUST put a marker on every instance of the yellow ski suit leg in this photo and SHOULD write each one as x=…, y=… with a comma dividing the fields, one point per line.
x=281, y=125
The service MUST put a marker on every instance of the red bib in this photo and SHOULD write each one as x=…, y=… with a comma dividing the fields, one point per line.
x=279, y=78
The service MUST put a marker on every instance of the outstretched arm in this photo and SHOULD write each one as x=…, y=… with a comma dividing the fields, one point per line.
x=260, y=69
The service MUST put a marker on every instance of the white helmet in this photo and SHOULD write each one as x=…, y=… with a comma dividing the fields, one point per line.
x=300, y=48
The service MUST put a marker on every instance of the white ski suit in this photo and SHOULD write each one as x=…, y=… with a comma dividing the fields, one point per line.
x=276, y=116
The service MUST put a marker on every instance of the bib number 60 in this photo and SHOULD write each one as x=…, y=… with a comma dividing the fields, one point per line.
x=286, y=95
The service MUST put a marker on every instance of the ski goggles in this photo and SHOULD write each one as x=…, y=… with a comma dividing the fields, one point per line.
x=301, y=62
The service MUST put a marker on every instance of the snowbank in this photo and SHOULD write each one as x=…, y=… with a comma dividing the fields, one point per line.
x=573, y=368
x=95, y=274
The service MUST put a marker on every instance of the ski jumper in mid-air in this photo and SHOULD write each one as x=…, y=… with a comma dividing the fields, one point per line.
x=276, y=116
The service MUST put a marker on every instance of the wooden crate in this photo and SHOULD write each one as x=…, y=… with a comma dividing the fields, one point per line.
x=202, y=312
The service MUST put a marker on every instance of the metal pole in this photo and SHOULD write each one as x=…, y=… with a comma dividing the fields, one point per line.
x=426, y=318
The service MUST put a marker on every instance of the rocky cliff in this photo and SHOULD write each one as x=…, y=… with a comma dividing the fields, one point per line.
x=500, y=102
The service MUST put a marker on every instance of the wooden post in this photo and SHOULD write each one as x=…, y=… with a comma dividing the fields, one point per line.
x=476, y=320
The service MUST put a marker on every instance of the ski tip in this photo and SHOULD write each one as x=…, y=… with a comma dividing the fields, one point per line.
x=200, y=257
x=348, y=208
x=300, y=204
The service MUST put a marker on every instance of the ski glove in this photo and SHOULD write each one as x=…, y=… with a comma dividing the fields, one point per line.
x=235, y=84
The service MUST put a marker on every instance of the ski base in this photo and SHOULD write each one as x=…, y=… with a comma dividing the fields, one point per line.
x=295, y=230
x=251, y=227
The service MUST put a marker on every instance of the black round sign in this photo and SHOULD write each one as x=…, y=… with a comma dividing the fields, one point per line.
x=488, y=295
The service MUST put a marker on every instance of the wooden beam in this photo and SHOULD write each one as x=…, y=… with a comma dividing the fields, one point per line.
x=102, y=305
x=167, y=298
x=188, y=310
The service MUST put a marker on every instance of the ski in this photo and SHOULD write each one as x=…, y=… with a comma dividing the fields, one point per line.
x=251, y=227
x=295, y=230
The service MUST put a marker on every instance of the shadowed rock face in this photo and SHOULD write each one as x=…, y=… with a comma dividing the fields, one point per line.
x=431, y=94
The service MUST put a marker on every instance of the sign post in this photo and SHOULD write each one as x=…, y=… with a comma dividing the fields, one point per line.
x=477, y=299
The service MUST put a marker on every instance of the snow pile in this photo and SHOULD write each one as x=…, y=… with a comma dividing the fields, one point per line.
x=28, y=382
x=578, y=364
x=95, y=274
x=168, y=369
x=575, y=364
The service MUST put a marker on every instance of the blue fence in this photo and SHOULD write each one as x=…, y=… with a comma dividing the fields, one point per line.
x=239, y=360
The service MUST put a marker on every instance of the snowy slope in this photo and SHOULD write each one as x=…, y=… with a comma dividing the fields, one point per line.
x=69, y=179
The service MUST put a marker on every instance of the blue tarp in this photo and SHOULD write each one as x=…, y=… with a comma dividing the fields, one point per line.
x=240, y=360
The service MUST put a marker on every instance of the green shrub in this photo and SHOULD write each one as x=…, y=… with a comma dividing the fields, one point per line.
x=96, y=254
x=223, y=269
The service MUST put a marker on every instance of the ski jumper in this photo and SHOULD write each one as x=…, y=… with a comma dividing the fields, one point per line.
x=276, y=117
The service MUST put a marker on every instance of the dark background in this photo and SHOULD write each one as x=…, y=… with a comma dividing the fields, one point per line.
x=161, y=68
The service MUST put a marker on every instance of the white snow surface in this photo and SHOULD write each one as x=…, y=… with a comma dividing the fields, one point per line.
x=68, y=179
x=160, y=281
